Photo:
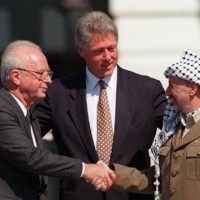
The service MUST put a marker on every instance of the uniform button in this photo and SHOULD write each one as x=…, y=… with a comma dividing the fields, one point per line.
x=175, y=156
x=174, y=173
x=172, y=190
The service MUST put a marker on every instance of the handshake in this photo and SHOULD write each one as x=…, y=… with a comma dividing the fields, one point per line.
x=99, y=175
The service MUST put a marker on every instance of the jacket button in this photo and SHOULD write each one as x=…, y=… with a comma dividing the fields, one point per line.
x=172, y=190
x=175, y=156
x=174, y=173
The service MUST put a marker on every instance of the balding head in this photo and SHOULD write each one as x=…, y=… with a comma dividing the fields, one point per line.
x=13, y=57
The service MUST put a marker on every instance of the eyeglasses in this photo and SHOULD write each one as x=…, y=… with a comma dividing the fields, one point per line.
x=43, y=75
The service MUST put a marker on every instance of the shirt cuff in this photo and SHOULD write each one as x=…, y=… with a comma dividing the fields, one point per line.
x=83, y=169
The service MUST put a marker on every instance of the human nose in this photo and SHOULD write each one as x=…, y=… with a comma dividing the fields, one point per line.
x=107, y=55
x=48, y=79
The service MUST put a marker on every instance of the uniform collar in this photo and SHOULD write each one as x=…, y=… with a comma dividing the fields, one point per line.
x=191, y=118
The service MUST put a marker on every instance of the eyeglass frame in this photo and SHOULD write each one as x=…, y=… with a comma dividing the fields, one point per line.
x=49, y=73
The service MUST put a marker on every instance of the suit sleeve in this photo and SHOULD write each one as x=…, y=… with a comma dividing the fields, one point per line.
x=17, y=148
x=133, y=180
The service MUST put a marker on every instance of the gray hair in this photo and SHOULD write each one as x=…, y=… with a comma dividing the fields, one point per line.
x=10, y=60
x=91, y=23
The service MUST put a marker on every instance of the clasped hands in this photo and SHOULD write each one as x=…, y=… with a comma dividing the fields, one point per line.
x=99, y=175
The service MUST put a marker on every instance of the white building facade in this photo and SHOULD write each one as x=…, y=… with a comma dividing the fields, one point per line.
x=154, y=33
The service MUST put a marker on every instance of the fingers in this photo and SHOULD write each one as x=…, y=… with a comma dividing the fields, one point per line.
x=99, y=184
x=109, y=176
x=112, y=175
x=99, y=175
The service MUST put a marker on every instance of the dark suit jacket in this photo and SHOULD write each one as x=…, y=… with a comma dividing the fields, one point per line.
x=20, y=161
x=139, y=109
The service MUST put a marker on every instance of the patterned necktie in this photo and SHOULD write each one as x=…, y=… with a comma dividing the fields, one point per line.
x=104, y=126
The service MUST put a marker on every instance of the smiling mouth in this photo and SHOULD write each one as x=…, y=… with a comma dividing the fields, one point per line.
x=107, y=65
x=44, y=89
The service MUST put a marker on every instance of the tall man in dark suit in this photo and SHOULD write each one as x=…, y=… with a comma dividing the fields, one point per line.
x=136, y=105
x=25, y=75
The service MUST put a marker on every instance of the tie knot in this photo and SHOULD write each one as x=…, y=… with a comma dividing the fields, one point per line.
x=102, y=84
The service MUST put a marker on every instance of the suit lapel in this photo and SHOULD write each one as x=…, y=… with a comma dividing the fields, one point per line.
x=18, y=110
x=123, y=114
x=79, y=115
x=190, y=136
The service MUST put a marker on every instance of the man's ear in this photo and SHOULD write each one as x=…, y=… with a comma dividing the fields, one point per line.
x=15, y=76
x=80, y=50
x=193, y=89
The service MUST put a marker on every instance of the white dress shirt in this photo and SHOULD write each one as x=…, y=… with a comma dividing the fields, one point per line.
x=92, y=96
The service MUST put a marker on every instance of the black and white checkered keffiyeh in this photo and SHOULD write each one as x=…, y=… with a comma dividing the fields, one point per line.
x=188, y=68
x=170, y=122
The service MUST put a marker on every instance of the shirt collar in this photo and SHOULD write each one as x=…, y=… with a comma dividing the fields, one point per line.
x=21, y=105
x=191, y=118
x=92, y=80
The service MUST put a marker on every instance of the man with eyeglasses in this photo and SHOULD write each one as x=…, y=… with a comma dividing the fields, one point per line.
x=25, y=76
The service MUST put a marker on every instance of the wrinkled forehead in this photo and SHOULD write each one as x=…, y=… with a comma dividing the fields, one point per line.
x=178, y=81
